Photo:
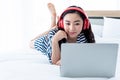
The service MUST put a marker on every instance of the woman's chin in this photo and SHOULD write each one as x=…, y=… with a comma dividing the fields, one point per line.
x=72, y=36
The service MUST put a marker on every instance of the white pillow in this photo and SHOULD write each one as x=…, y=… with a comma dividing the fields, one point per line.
x=108, y=40
x=111, y=28
x=97, y=30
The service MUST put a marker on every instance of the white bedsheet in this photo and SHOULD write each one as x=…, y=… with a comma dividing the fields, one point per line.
x=31, y=65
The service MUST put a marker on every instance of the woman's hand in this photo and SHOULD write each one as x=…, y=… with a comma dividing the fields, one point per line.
x=59, y=36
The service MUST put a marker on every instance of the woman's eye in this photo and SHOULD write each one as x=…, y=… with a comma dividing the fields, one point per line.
x=77, y=23
x=67, y=23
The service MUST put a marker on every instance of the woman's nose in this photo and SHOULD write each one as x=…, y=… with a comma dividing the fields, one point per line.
x=72, y=28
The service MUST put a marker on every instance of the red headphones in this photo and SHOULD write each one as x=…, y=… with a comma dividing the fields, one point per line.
x=86, y=21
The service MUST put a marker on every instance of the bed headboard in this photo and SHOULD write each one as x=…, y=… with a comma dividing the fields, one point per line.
x=96, y=17
x=107, y=13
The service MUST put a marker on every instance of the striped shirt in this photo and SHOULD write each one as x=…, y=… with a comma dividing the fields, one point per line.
x=44, y=43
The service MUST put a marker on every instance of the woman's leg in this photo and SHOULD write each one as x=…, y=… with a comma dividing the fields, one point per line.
x=53, y=23
x=52, y=10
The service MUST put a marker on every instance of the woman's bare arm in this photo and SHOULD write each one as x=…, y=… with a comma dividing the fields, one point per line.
x=44, y=33
x=56, y=48
x=32, y=41
x=55, y=51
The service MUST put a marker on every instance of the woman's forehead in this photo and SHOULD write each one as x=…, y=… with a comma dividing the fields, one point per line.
x=72, y=16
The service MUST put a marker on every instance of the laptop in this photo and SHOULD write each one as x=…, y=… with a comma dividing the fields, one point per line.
x=88, y=60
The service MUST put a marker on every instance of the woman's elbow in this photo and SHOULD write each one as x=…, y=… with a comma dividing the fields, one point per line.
x=56, y=62
x=31, y=44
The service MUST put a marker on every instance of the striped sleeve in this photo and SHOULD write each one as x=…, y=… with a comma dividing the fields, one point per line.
x=41, y=44
x=81, y=38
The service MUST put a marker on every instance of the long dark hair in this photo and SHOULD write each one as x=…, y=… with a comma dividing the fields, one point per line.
x=87, y=32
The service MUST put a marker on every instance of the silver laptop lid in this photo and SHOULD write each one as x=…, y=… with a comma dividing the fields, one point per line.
x=88, y=60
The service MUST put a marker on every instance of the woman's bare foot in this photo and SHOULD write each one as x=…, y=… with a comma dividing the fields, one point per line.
x=53, y=14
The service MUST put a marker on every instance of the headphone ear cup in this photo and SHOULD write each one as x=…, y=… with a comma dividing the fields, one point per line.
x=86, y=24
x=61, y=25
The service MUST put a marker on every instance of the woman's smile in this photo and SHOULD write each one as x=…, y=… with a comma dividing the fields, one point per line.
x=72, y=33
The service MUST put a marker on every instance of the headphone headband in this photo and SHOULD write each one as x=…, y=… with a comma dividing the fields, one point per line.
x=75, y=8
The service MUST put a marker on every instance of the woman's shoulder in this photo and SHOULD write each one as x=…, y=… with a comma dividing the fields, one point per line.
x=81, y=38
x=53, y=30
x=81, y=34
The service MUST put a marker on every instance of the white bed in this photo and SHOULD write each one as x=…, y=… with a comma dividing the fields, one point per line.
x=30, y=64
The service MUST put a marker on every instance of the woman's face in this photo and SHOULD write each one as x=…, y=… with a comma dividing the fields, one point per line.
x=73, y=24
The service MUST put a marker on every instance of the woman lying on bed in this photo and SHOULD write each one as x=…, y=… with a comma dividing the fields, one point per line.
x=73, y=26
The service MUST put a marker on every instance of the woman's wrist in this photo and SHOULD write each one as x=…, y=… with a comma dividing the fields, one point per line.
x=54, y=39
x=54, y=42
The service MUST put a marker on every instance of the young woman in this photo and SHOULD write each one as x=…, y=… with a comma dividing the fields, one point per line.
x=73, y=26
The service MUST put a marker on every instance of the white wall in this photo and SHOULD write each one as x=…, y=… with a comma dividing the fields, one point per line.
x=11, y=24
x=22, y=20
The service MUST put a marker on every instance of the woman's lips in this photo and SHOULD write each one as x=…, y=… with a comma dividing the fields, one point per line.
x=72, y=33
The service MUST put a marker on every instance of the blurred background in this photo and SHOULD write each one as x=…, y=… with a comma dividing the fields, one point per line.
x=22, y=20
